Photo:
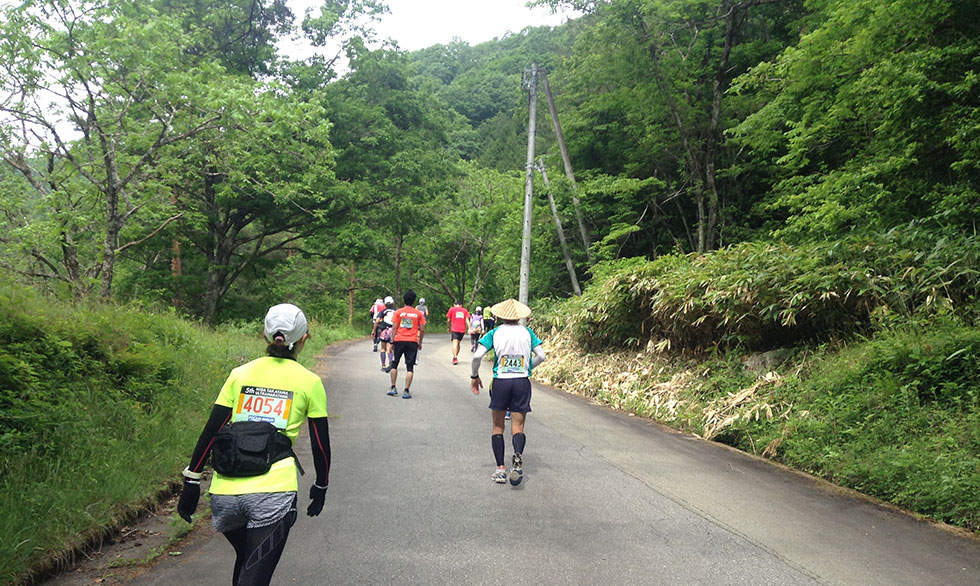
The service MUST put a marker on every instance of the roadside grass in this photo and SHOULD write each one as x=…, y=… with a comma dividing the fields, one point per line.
x=100, y=407
x=762, y=295
x=895, y=415
x=857, y=360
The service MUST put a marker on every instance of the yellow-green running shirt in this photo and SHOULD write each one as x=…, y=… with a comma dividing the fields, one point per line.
x=282, y=392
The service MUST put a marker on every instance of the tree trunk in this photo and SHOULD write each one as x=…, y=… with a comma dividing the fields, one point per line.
x=399, y=242
x=714, y=135
x=109, y=245
x=217, y=266
x=350, y=297
x=69, y=259
x=176, y=270
x=216, y=279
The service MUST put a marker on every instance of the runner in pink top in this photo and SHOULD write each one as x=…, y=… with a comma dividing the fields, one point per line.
x=376, y=310
x=458, y=320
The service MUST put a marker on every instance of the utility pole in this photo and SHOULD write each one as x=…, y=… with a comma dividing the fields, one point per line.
x=567, y=162
x=176, y=269
x=561, y=231
x=531, y=85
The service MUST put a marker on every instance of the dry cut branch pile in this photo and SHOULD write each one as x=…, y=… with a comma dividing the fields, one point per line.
x=647, y=384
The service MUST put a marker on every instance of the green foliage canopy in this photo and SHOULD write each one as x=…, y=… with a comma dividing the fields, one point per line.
x=872, y=118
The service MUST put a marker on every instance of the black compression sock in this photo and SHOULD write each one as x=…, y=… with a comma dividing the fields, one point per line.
x=519, y=441
x=497, y=441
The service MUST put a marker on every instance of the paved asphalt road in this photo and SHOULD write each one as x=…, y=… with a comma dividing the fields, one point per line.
x=607, y=499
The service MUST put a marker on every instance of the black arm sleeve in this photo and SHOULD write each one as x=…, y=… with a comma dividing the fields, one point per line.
x=320, y=442
x=219, y=417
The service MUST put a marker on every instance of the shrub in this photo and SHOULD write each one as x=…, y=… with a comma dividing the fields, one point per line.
x=100, y=407
x=762, y=296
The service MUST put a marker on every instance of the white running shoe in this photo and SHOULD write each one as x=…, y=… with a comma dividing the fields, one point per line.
x=517, y=470
x=499, y=475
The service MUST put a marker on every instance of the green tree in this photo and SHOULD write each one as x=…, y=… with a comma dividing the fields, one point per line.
x=655, y=73
x=97, y=92
x=392, y=148
x=257, y=189
x=239, y=34
x=871, y=120
x=460, y=254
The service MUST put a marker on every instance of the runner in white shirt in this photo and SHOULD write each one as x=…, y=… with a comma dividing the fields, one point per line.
x=517, y=350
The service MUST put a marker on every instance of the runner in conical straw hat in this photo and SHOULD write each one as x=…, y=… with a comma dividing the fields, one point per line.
x=516, y=351
x=511, y=310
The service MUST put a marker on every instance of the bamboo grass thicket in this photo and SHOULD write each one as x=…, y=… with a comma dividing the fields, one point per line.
x=763, y=295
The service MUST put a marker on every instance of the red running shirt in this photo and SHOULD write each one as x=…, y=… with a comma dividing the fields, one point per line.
x=458, y=318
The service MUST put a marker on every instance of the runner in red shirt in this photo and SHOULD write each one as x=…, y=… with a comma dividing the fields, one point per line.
x=408, y=327
x=458, y=320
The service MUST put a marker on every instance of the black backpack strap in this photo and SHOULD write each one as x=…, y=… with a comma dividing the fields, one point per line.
x=285, y=450
x=298, y=465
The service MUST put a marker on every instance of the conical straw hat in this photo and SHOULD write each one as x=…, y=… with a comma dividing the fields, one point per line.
x=510, y=309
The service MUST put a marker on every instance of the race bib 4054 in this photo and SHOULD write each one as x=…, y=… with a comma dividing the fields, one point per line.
x=264, y=404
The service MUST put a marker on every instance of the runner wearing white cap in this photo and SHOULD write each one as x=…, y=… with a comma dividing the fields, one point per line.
x=254, y=506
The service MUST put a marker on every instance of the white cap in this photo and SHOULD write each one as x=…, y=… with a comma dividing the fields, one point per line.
x=389, y=299
x=478, y=309
x=377, y=301
x=422, y=300
x=285, y=319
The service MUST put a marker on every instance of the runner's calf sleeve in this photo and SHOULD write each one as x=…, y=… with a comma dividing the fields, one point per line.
x=497, y=441
x=519, y=440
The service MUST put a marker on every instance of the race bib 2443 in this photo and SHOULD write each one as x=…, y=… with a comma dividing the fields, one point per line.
x=513, y=363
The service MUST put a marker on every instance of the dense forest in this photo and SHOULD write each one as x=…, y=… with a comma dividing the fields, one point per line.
x=770, y=205
x=167, y=153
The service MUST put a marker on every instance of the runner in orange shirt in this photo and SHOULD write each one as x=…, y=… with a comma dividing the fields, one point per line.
x=408, y=327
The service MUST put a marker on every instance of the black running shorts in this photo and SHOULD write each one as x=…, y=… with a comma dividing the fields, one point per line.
x=409, y=350
x=511, y=394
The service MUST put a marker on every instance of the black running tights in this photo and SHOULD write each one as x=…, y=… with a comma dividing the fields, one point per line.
x=257, y=551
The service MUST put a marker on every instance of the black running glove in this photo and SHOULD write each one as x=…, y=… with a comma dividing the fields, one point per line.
x=189, y=497
x=317, y=496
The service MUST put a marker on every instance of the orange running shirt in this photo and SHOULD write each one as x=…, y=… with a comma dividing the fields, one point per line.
x=408, y=321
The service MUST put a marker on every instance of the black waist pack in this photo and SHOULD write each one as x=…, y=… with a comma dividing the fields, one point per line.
x=249, y=448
